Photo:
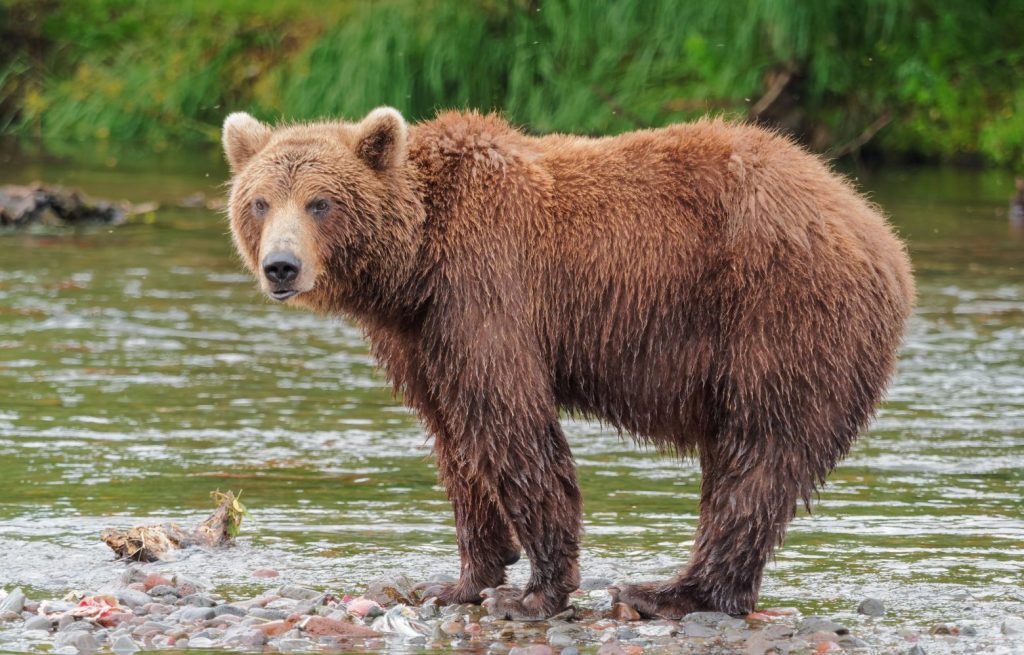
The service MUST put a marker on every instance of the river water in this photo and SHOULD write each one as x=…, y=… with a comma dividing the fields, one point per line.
x=140, y=369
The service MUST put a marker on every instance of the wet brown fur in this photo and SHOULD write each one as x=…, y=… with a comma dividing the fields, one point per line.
x=709, y=288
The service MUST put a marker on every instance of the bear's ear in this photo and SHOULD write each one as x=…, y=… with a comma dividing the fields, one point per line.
x=381, y=139
x=243, y=136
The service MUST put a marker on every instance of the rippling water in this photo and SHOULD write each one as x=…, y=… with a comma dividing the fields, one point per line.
x=140, y=369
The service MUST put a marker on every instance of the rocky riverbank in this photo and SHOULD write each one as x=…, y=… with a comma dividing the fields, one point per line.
x=155, y=610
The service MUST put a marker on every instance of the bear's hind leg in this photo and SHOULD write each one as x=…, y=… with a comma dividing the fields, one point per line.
x=747, y=500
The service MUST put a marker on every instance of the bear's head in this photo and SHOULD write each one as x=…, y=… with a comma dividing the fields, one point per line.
x=325, y=215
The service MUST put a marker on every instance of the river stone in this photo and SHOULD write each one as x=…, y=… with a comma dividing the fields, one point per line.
x=201, y=642
x=534, y=649
x=38, y=623
x=657, y=630
x=849, y=642
x=871, y=607
x=698, y=630
x=15, y=602
x=81, y=640
x=75, y=626
x=916, y=649
x=189, y=614
x=812, y=624
x=388, y=591
x=131, y=598
x=1013, y=625
x=124, y=644
x=571, y=650
x=296, y=592
x=161, y=590
x=710, y=619
x=294, y=645
x=198, y=600
x=268, y=614
x=232, y=610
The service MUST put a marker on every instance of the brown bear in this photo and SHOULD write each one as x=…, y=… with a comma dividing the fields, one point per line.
x=707, y=288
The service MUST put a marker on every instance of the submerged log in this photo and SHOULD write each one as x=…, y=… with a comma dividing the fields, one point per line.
x=55, y=206
x=149, y=543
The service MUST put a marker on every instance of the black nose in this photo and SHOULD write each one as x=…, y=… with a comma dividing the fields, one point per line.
x=281, y=267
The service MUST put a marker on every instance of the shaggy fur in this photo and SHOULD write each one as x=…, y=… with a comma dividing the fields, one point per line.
x=708, y=288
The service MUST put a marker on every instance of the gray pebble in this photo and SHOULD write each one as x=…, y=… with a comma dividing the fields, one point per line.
x=1012, y=625
x=189, y=614
x=163, y=590
x=812, y=624
x=571, y=650
x=198, y=600
x=871, y=607
x=15, y=602
x=75, y=626
x=849, y=641
x=711, y=619
x=232, y=610
x=698, y=630
x=296, y=592
x=292, y=645
x=81, y=640
x=124, y=644
x=915, y=650
x=38, y=623
x=268, y=614
x=132, y=598
x=624, y=633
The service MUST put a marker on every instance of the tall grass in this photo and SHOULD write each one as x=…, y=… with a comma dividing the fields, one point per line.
x=941, y=75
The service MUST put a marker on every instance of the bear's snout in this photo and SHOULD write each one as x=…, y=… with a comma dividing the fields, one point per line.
x=281, y=269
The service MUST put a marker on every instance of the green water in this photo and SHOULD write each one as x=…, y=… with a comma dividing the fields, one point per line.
x=140, y=369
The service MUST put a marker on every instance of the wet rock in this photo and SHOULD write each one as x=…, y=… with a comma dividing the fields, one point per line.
x=268, y=614
x=14, y=603
x=230, y=610
x=812, y=624
x=710, y=619
x=535, y=649
x=871, y=607
x=1013, y=625
x=610, y=647
x=192, y=614
x=294, y=645
x=565, y=634
x=295, y=592
x=38, y=623
x=131, y=598
x=163, y=590
x=389, y=591
x=916, y=649
x=571, y=650
x=659, y=629
x=849, y=642
x=699, y=630
x=623, y=612
x=185, y=586
x=81, y=640
x=245, y=637
x=592, y=583
x=155, y=580
x=265, y=573
x=124, y=645
x=321, y=626
x=198, y=600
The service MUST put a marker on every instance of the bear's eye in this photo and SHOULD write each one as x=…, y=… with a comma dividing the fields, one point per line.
x=260, y=207
x=319, y=208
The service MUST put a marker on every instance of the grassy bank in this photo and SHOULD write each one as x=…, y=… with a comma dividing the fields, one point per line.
x=919, y=79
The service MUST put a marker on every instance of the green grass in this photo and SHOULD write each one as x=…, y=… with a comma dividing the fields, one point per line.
x=942, y=76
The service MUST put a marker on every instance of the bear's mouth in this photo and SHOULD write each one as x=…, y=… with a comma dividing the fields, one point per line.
x=283, y=294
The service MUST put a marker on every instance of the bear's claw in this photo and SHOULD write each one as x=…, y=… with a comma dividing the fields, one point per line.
x=510, y=603
x=656, y=599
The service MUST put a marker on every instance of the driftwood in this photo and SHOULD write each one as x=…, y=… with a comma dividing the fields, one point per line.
x=149, y=543
x=55, y=206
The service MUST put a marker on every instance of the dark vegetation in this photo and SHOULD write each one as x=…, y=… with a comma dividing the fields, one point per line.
x=935, y=80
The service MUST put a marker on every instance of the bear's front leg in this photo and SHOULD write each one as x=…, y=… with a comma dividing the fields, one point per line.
x=486, y=544
x=502, y=428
